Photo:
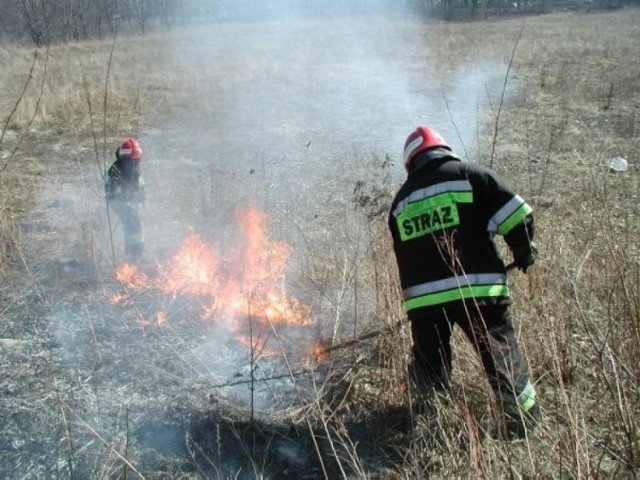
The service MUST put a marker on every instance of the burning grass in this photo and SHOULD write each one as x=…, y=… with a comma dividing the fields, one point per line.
x=242, y=289
x=155, y=371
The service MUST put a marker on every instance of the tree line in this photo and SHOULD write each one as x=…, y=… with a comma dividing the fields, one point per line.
x=44, y=21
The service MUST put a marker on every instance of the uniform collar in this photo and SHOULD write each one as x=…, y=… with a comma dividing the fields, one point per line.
x=431, y=159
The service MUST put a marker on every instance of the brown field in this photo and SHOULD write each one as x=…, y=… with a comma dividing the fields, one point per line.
x=304, y=121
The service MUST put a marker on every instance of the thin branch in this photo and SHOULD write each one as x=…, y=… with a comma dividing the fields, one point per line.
x=106, y=444
x=455, y=125
x=35, y=112
x=24, y=90
x=504, y=89
x=106, y=97
x=65, y=420
x=103, y=171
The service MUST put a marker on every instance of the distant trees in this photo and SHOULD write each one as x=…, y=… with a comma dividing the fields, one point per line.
x=65, y=20
x=43, y=21
x=454, y=8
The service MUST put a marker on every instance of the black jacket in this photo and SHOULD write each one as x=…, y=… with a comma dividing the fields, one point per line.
x=124, y=181
x=443, y=220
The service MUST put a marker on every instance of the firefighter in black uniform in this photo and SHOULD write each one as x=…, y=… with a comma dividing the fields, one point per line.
x=443, y=220
x=125, y=193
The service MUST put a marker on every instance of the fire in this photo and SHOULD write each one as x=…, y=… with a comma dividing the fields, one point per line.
x=129, y=275
x=192, y=270
x=161, y=318
x=319, y=352
x=240, y=288
x=120, y=298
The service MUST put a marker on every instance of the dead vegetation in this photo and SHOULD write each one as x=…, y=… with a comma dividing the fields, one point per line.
x=93, y=389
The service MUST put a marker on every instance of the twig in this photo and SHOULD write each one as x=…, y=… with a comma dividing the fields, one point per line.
x=455, y=125
x=107, y=444
x=317, y=448
x=35, y=112
x=252, y=361
x=189, y=443
x=105, y=98
x=87, y=90
x=291, y=373
x=253, y=380
x=362, y=338
x=103, y=171
x=504, y=89
x=126, y=441
x=65, y=421
x=21, y=96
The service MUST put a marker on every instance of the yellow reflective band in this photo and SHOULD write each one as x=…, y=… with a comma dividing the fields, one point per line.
x=524, y=402
x=476, y=291
x=514, y=219
x=527, y=397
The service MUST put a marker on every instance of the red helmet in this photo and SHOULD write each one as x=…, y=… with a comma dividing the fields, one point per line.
x=422, y=138
x=130, y=148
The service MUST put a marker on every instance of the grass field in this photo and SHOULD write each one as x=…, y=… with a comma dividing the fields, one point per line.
x=304, y=121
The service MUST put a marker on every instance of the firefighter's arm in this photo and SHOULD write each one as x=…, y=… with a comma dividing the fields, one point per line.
x=508, y=214
x=520, y=242
x=112, y=185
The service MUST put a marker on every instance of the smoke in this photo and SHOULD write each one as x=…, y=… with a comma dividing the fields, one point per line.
x=286, y=102
x=289, y=83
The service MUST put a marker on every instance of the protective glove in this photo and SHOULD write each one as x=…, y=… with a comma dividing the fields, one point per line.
x=525, y=256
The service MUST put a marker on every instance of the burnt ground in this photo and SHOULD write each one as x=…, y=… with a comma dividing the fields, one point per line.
x=87, y=393
x=96, y=389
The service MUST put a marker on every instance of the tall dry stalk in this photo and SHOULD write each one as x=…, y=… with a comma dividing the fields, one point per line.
x=502, y=94
x=36, y=109
x=21, y=96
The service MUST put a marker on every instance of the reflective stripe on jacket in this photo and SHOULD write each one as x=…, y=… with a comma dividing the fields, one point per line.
x=443, y=220
x=478, y=285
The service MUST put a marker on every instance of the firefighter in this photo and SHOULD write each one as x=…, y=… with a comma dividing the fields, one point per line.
x=443, y=221
x=125, y=193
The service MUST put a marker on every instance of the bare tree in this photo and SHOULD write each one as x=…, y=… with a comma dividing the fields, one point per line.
x=141, y=10
x=167, y=11
x=35, y=19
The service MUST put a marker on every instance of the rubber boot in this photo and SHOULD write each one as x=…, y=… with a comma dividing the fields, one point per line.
x=519, y=424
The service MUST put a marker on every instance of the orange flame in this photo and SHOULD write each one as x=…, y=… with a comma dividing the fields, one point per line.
x=319, y=352
x=120, y=298
x=192, y=270
x=161, y=318
x=241, y=285
x=246, y=282
x=130, y=276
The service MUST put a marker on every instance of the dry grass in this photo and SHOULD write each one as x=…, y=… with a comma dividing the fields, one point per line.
x=85, y=393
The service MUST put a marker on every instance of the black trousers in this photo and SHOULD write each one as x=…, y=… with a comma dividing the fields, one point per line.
x=129, y=215
x=490, y=330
